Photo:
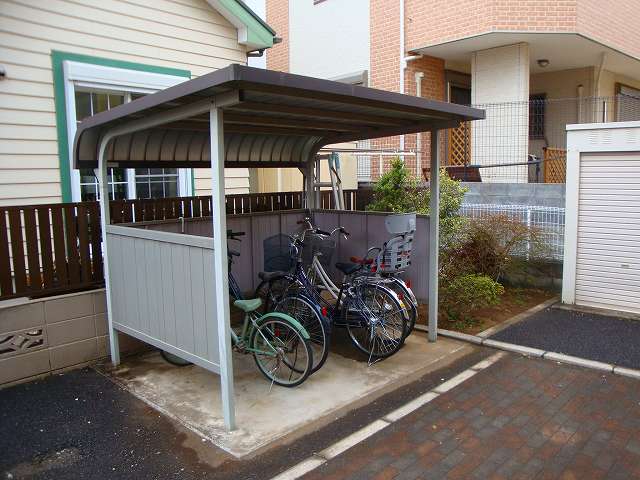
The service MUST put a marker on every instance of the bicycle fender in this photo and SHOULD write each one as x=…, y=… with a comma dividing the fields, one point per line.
x=283, y=316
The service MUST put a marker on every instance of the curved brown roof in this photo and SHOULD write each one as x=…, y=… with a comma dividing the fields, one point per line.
x=270, y=118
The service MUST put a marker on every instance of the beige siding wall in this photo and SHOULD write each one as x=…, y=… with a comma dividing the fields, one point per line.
x=185, y=34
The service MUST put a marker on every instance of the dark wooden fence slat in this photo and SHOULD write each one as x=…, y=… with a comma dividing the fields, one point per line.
x=17, y=251
x=6, y=284
x=44, y=228
x=96, y=251
x=196, y=206
x=60, y=257
x=31, y=239
x=71, y=230
x=84, y=250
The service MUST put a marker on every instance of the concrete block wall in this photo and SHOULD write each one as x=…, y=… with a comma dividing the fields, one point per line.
x=534, y=194
x=43, y=336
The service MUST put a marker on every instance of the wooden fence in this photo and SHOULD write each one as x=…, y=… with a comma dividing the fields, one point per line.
x=49, y=249
x=55, y=248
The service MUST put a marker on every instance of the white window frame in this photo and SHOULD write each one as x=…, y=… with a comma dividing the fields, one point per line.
x=112, y=79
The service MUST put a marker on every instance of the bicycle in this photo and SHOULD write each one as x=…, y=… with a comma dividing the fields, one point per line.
x=280, y=293
x=279, y=344
x=372, y=314
x=375, y=268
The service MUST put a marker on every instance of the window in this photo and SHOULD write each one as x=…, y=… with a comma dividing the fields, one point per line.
x=156, y=182
x=92, y=89
x=537, y=104
x=627, y=103
x=89, y=103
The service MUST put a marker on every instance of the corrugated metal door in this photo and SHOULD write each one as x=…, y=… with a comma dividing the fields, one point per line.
x=608, y=251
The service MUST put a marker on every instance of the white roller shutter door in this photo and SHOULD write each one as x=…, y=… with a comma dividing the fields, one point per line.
x=608, y=248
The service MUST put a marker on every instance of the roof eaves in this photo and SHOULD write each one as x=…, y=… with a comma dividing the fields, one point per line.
x=253, y=31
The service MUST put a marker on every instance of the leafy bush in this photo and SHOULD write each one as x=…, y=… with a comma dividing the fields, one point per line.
x=490, y=246
x=463, y=294
x=399, y=191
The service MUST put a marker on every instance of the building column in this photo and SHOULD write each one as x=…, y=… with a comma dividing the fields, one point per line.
x=501, y=76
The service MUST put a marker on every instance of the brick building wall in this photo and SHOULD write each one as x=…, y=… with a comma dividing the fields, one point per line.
x=385, y=74
x=278, y=19
x=611, y=22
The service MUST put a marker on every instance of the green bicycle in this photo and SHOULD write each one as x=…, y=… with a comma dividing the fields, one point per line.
x=279, y=344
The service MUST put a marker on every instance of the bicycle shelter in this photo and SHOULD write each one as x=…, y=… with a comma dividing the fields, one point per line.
x=170, y=289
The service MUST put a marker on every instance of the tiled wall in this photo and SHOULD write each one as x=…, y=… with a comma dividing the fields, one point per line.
x=56, y=333
x=278, y=19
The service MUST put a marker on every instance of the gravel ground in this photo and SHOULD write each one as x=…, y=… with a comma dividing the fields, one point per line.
x=596, y=337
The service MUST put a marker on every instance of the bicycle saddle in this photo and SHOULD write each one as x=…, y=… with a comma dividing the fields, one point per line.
x=348, y=268
x=248, y=305
x=271, y=275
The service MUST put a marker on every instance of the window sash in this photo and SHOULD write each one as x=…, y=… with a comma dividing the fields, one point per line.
x=99, y=79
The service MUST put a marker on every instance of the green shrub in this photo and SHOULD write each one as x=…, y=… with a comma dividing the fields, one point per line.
x=464, y=294
x=399, y=191
x=489, y=246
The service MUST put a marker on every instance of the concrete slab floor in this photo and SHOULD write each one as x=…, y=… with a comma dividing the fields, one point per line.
x=271, y=416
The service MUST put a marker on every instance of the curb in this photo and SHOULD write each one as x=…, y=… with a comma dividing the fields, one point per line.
x=519, y=317
x=546, y=355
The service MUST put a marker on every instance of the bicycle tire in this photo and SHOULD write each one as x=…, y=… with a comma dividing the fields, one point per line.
x=174, y=359
x=365, y=322
x=317, y=326
x=277, y=331
x=399, y=287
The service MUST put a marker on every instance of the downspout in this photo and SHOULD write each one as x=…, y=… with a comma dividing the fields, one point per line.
x=580, y=94
x=419, y=76
x=597, y=88
x=403, y=63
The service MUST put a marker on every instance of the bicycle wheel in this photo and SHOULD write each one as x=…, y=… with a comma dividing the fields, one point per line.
x=317, y=326
x=281, y=352
x=375, y=320
x=174, y=359
x=406, y=296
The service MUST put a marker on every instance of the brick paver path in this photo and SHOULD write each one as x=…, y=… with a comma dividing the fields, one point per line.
x=519, y=419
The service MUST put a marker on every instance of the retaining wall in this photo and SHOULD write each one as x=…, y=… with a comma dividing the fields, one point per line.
x=537, y=194
x=43, y=336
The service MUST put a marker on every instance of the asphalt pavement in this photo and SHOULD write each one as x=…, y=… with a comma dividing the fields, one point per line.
x=603, y=338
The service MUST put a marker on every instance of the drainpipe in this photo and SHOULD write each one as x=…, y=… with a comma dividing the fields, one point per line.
x=580, y=94
x=403, y=60
x=403, y=63
x=419, y=76
x=597, y=87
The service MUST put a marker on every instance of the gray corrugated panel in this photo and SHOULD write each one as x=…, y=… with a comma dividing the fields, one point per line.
x=171, y=126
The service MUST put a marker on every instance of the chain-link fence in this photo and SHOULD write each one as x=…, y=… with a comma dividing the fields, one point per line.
x=548, y=221
x=517, y=142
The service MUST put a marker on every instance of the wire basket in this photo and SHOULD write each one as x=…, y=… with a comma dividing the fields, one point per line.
x=314, y=243
x=277, y=253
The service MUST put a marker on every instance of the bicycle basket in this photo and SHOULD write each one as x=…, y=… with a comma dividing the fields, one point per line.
x=317, y=243
x=277, y=253
x=396, y=254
